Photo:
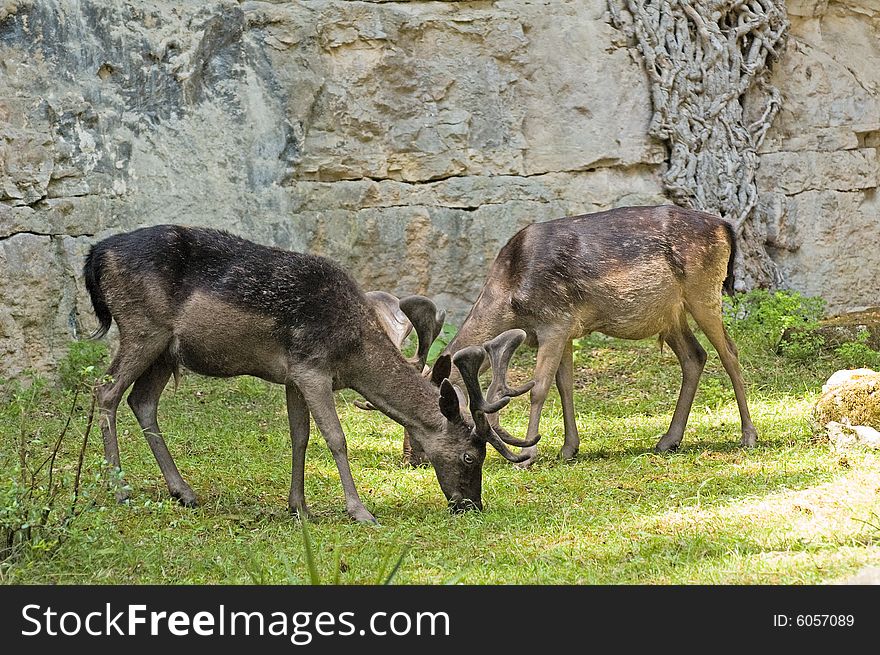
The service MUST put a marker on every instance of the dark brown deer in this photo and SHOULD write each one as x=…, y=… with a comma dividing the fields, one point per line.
x=631, y=273
x=223, y=306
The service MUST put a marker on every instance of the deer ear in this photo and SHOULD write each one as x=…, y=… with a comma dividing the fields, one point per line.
x=449, y=405
x=442, y=369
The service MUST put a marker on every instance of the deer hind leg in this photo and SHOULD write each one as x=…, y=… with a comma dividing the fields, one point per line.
x=565, y=385
x=317, y=390
x=692, y=358
x=130, y=362
x=298, y=418
x=708, y=317
x=144, y=402
x=551, y=346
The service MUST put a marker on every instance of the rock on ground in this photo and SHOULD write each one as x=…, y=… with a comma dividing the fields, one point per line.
x=851, y=398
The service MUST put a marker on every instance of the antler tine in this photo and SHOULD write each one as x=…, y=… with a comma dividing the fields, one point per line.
x=468, y=361
x=500, y=350
x=494, y=439
x=508, y=438
x=426, y=320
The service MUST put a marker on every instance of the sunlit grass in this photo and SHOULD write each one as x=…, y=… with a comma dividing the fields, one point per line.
x=792, y=510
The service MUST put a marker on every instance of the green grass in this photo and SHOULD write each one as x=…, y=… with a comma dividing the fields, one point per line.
x=791, y=510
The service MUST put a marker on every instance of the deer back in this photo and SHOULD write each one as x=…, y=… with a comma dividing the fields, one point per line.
x=623, y=272
x=233, y=307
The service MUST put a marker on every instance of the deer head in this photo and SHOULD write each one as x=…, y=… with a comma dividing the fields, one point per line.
x=459, y=462
x=457, y=446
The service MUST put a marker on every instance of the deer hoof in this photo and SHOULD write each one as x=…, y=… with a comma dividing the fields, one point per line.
x=667, y=444
x=568, y=454
x=303, y=513
x=361, y=515
x=749, y=438
x=186, y=498
x=120, y=488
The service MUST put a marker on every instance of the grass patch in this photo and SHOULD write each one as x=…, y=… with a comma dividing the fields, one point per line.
x=791, y=510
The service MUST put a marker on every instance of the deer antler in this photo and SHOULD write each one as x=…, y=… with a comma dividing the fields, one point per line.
x=469, y=361
x=395, y=323
x=427, y=321
x=500, y=350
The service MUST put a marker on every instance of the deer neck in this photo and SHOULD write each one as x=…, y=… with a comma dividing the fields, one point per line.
x=396, y=389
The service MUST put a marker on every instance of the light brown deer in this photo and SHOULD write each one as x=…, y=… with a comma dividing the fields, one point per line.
x=631, y=272
x=223, y=306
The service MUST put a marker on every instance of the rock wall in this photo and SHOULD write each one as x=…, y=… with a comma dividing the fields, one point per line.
x=406, y=140
x=820, y=167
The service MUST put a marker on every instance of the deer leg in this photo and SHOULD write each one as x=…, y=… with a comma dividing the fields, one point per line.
x=128, y=365
x=565, y=385
x=708, y=317
x=412, y=452
x=692, y=358
x=144, y=402
x=550, y=350
x=298, y=417
x=317, y=390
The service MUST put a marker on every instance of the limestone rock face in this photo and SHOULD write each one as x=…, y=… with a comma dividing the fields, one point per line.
x=820, y=168
x=406, y=140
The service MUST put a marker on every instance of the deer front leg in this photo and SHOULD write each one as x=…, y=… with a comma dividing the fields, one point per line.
x=298, y=418
x=565, y=385
x=317, y=390
x=550, y=349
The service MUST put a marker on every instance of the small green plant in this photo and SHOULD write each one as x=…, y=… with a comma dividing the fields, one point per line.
x=761, y=317
x=802, y=346
x=384, y=576
x=858, y=354
x=39, y=498
x=85, y=360
x=308, y=547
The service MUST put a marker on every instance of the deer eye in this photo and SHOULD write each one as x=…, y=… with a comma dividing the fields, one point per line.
x=467, y=458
